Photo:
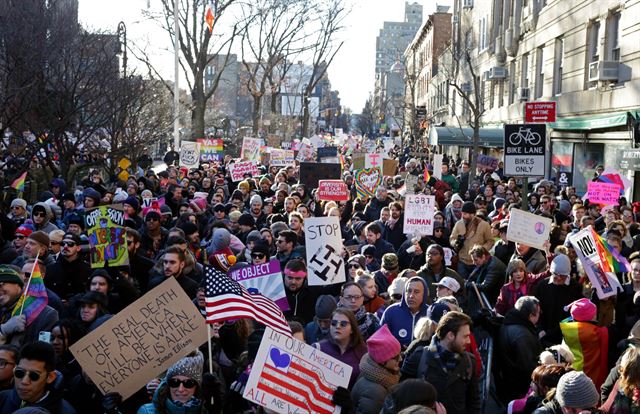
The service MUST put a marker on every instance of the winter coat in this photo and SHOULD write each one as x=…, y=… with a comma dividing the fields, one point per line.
x=479, y=233
x=489, y=278
x=372, y=210
x=427, y=274
x=509, y=294
x=519, y=349
x=43, y=322
x=372, y=386
x=46, y=225
x=67, y=278
x=400, y=320
x=193, y=406
x=8, y=253
x=382, y=247
x=534, y=259
x=302, y=304
x=451, y=180
x=553, y=299
x=549, y=407
x=53, y=403
x=351, y=356
x=395, y=235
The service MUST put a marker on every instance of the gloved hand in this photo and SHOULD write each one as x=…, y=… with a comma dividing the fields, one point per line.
x=210, y=386
x=239, y=384
x=14, y=325
x=342, y=397
x=111, y=401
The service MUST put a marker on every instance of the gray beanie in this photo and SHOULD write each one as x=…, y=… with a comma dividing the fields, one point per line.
x=325, y=305
x=576, y=390
x=255, y=199
x=561, y=265
x=277, y=227
x=189, y=366
x=254, y=236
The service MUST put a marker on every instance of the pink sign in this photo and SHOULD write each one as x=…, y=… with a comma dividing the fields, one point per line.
x=603, y=193
x=239, y=169
x=335, y=190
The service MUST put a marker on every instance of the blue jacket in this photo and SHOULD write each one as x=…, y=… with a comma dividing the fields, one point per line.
x=399, y=318
x=53, y=402
x=193, y=406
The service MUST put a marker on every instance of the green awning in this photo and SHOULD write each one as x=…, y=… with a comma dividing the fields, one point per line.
x=489, y=137
x=594, y=122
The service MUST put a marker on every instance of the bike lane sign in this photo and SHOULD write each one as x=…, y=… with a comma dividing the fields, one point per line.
x=524, y=150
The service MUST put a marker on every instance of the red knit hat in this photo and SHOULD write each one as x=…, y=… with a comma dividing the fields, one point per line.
x=382, y=345
x=222, y=259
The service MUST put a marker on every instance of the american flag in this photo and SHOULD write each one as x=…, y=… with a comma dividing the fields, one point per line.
x=227, y=300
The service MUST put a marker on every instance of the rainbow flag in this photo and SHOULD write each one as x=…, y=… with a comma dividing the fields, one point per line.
x=18, y=183
x=34, y=297
x=427, y=176
x=589, y=344
x=611, y=260
x=208, y=16
x=341, y=162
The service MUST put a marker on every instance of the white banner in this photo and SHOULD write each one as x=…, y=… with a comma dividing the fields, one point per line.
x=189, y=154
x=324, y=251
x=527, y=228
x=418, y=214
x=437, y=166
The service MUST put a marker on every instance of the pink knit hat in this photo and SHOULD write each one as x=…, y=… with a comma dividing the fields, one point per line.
x=582, y=310
x=382, y=345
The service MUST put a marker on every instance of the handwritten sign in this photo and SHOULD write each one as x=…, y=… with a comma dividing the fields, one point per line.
x=141, y=341
x=603, y=193
x=107, y=236
x=282, y=157
x=486, y=161
x=418, y=214
x=210, y=149
x=410, y=181
x=527, y=228
x=335, y=190
x=239, y=169
x=290, y=376
x=251, y=149
x=373, y=160
x=189, y=154
x=389, y=167
x=367, y=181
x=323, y=240
x=606, y=283
x=265, y=279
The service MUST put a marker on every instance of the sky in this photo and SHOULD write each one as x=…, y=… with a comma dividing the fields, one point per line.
x=351, y=73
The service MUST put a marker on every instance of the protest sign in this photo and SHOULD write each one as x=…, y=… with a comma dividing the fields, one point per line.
x=251, y=149
x=603, y=193
x=189, y=154
x=323, y=240
x=326, y=152
x=335, y=190
x=410, y=181
x=389, y=167
x=305, y=152
x=527, y=228
x=486, y=161
x=418, y=214
x=274, y=140
x=239, y=169
x=357, y=162
x=367, y=181
x=210, y=150
x=148, y=202
x=107, y=236
x=265, y=279
x=606, y=283
x=141, y=341
x=373, y=160
x=290, y=376
x=281, y=158
x=388, y=147
x=437, y=165
x=311, y=173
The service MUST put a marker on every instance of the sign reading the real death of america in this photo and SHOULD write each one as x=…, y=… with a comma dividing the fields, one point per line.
x=418, y=214
x=141, y=341
x=290, y=376
x=107, y=236
x=324, y=251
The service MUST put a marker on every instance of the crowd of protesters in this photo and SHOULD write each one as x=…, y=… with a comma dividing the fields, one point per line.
x=406, y=320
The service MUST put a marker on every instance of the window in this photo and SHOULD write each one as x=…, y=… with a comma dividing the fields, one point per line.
x=557, y=66
x=482, y=34
x=539, y=72
x=524, y=71
x=613, y=36
x=593, y=46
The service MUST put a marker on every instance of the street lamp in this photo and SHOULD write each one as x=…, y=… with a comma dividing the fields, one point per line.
x=122, y=32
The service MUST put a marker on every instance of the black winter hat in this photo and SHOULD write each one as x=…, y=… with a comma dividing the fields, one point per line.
x=469, y=208
x=246, y=219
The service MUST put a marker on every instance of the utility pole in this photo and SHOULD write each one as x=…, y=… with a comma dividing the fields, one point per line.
x=176, y=84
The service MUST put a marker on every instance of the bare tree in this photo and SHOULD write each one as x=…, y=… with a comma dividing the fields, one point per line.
x=366, y=120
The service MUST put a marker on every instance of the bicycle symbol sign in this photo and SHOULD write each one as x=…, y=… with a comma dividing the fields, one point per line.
x=524, y=150
x=525, y=135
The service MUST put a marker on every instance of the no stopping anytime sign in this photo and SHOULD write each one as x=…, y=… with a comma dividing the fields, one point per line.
x=524, y=150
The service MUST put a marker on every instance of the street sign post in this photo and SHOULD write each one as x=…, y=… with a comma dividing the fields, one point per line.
x=524, y=150
x=539, y=112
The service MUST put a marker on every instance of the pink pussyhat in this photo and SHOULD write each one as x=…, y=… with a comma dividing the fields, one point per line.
x=382, y=345
x=582, y=310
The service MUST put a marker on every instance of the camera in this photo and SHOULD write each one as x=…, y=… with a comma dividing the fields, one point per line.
x=459, y=243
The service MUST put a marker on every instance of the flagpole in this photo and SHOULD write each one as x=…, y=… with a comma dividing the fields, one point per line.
x=26, y=289
x=210, y=352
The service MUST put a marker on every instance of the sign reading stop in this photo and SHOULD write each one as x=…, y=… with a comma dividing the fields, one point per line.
x=535, y=112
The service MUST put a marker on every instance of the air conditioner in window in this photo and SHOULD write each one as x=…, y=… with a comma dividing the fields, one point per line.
x=523, y=94
x=486, y=76
x=468, y=4
x=497, y=72
x=603, y=70
x=466, y=87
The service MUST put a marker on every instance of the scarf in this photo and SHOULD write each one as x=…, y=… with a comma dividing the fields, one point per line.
x=366, y=322
x=448, y=359
x=376, y=373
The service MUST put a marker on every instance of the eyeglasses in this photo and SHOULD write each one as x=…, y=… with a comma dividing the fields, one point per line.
x=4, y=363
x=352, y=298
x=20, y=236
x=39, y=214
x=281, y=241
x=68, y=244
x=342, y=324
x=354, y=266
x=258, y=255
x=55, y=243
x=151, y=219
x=175, y=383
x=396, y=296
x=20, y=373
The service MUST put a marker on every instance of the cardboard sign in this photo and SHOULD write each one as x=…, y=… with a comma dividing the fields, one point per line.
x=282, y=158
x=603, y=193
x=251, y=149
x=437, y=165
x=189, y=154
x=367, y=181
x=239, y=169
x=265, y=279
x=389, y=167
x=141, y=341
x=528, y=228
x=410, y=181
x=327, y=152
x=311, y=173
x=211, y=150
x=334, y=190
x=373, y=160
x=323, y=240
x=107, y=236
x=290, y=376
x=606, y=283
x=305, y=152
x=418, y=214
x=357, y=162
x=486, y=161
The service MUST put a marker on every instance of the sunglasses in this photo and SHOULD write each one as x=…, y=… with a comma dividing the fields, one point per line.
x=354, y=266
x=55, y=243
x=175, y=383
x=396, y=296
x=39, y=214
x=258, y=255
x=129, y=242
x=151, y=219
x=68, y=244
x=20, y=373
x=20, y=236
x=342, y=324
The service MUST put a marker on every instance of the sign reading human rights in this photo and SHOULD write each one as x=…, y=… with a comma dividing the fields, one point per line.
x=264, y=279
x=107, y=236
x=418, y=214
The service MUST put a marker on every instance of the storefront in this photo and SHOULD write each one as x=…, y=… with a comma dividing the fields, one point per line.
x=459, y=141
x=579, y=145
